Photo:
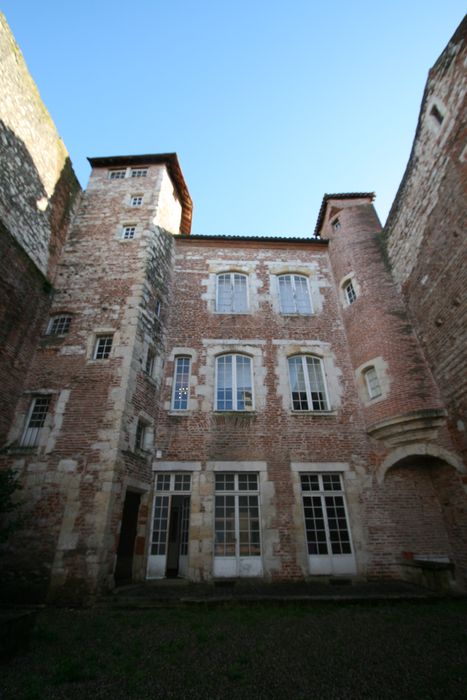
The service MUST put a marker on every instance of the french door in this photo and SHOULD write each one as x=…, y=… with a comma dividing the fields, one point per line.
x=237, y=533
x=326, y=524
x=170, y=526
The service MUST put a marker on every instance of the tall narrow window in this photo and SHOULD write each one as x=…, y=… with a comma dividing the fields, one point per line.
x=150, y=363
x=372, y=383
x=35, y=421
x=307, y=384
x=140, y=439
x=234, y=391
x=232, y=294
x=294, y=294
x=349, y=290
x=327, y=529
x=181, y=388
x=237, y=523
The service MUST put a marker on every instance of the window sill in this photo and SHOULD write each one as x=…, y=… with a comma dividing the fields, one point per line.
x=232, y=313
x=313, y=413
x=296, y=314
x=182, y=413
x=235, y=413
x=19, y=450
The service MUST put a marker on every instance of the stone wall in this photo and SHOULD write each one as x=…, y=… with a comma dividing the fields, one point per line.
x=425, y=231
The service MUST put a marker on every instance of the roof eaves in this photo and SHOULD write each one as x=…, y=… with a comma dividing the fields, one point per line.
x=338, y=195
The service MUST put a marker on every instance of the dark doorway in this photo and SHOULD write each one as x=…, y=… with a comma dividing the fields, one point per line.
x=126, y=545
x=177, y=543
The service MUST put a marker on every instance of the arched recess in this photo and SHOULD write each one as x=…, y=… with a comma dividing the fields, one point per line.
x=418, y=451
x=419, y=509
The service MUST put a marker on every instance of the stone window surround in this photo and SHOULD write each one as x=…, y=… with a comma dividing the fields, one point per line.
x=241, y=267
x=181, y=351
x=52, y=424
x=250, y=348
x=382, y=371
x=92, y=340
x=349, y=277
x=308, y=270
x=332, y=374
x=146, y=421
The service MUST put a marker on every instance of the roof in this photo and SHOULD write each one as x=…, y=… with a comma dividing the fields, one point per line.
x=173, y=166
x=339, y=195
x=265, y=239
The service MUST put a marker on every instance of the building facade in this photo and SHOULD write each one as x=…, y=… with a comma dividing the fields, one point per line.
x=214, y=407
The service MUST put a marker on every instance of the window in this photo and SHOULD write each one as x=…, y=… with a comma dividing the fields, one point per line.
x=136, y=200
x=232, y=294
x=103, y=347
x=150, y=363
x=141, y=436
x=128, y=232
x=236, y=523
x=139, y=172
x=117, y=174
x=233, y=383
x=35, y=421
x=436, y=114
x=307, y=384
x=372, y=383
x=59, y=325
x=349, y=290
x=327, y=529
x=294, y=294
x=158, y=308
x=181, y=386
x=336, y=224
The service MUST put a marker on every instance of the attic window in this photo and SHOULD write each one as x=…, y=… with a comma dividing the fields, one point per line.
x=436, y=114
x=336, y=224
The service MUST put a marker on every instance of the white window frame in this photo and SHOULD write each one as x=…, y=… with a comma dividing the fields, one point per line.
x=102, y=337
x=293, y=276
x=138, y=172
x=308, y=389
x=128, y=232
x=232, y=281
x=328, y=562
x=349, y=291
x=186, y=389
x=31, y=434
x=234, y=387
x=59, y=320
x=373, y=385
x=136, y=200
x=117, y=174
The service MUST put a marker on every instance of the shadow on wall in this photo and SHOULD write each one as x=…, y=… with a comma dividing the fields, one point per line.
x=31, y=240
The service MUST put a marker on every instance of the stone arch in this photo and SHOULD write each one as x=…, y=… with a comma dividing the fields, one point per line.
x=419, y=510
x=408, y=453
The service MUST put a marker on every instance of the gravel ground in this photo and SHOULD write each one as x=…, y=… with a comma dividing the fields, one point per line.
x=325, y=651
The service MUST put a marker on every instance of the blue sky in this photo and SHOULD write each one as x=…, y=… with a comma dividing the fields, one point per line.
x=268, y=104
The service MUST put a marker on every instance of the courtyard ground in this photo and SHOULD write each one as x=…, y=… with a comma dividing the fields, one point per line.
x=392, y=649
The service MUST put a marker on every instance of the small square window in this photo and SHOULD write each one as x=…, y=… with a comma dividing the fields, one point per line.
x=136, y=200
x=59, y=325
x=139, y=172
x=163, y=482
x=128, y=232
x=103, y=347
x=336, y=224
x=117, y=174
